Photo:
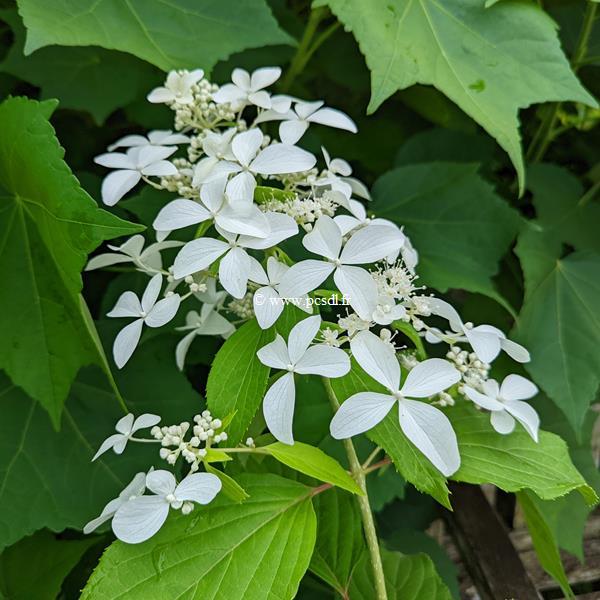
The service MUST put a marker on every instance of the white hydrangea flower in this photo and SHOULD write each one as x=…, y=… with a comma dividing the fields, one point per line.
x=337, y=177
x=267, y=302
x=154, y=138
x=137, y=161
x=217, y=147
x=139, y=519
x=486, y=340
x=148, y=311
x=126, y=427
x=424, y=425
x=297, y=120
x=236, y=264
x=506, y=403
x=135, y=488
x=248, y=89
x=133, y=251
x=297, y=356
x=367, y=245
x=177, y=88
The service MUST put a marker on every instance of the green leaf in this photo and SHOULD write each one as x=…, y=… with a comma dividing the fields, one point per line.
x=230, y=487
x=89, y=79
x=36, y=566
x=514, y=462
x=406, y=578
x=220, y=551
x=340, y=543
x=544, y=542
x=491, y=62
x=313, y=462
x=452, y=215
x=171, y=35
x=48, y=227
x=237, y=379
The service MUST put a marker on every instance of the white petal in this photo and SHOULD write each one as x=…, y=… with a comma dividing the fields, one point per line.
x=228, y=93
x=301, y=335
x=182, y=348
x=360, y=413
x=291, y=131
x=446, y=311
x=234, y=271
x=106, y=260
x=245, y=145
x=359, y=288
x=268, y=306
x=274, y=354
x=126, y=342
x=151, y=292
x=161, y=482
x=485, y=345
x=277, y=159
x=304, y=277
x=430, y=377
x=370, y=244
x=115, y=160
x=491, y=388
x=244, y=218
x=325, y=239
x=125, y=424
x=333, y=118
x=515, y=387
x=128, y=305
x=323, y=360
x=264, y=77
x=430, y=431
x=242, y=187
x=162, y=168
x=502, y=422
x=215, y=324
x=346, y=223
x=95, y=523
x=257, y=273
x=281, y=226
x=482, y=400
x=139, y=519
x=180, y=213
x=149, y=155
x=108, y=443
x=276, y=270
x=197, y=255
x=241, y=78
x=160, y=95
x=526, y=415
x=117, y=184
x=305, y=109
x=144, y=421
x=260, y=98
x=278, y=408
x=515, y=351
x=376, y=358
x=163, y=311
x=198, y=487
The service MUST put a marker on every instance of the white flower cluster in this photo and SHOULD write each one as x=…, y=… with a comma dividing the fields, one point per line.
x=246, y=192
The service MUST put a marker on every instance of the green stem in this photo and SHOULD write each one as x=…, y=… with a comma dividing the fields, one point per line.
x=589, y=195
x=546, y=132
x=363, y=503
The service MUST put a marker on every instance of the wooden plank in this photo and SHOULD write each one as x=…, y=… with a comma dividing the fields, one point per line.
x=485, y=547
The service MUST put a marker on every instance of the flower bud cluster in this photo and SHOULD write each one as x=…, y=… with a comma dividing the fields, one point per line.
x=242, y=307
x=473, y=371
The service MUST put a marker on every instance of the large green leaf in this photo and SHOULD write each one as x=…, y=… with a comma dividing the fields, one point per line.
x=237, y=379
x=340, y=543
x=36, y=566
x=88, y=79
x=491, y=62
x=48, y=225
x=407, y=577
x=171, y=35
x=257, y=551
x=459, y=225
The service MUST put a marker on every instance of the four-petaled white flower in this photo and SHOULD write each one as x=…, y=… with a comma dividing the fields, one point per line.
x=250, y=160
x=248, y=89
x=367, y=245
x=424, y=425
x=236, y=265
x=506, y=403
x=135, y=488
x=232, y=215
x=148, y=311
x=296, y=357
x=297, y=120
x=486, y=340
x=337, y=177
x=139, y=519
x=126, y=427
x=177, y=88
x=216, y=147
x=268, y=304
x=155, y=138
x=133, y=251
x=141, y=160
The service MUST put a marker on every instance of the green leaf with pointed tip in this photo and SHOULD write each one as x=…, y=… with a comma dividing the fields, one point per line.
x=171, y=35
x=460, y=227
x=313, y=462
x=219, y=551
x=407, y=577
x=491, y=62
x=48, y=226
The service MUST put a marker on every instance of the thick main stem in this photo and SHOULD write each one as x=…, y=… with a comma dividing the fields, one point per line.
x=363, y=503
